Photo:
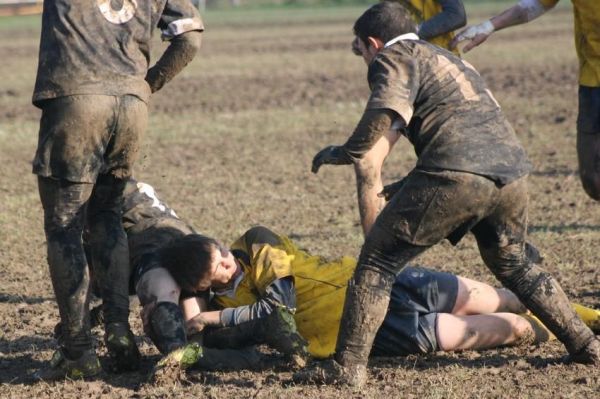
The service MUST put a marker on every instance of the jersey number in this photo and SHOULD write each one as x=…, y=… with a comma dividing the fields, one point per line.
x=117, y=16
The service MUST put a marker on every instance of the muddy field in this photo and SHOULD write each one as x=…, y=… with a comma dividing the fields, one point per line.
x=229, y=146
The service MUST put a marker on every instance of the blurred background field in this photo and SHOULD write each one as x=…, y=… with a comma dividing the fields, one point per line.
x=229, y=146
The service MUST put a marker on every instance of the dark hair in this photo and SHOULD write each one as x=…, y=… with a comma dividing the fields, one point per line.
x=188, y=259
x=384, y=21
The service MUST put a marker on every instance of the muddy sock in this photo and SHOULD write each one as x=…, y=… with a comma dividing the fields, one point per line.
x=591, y=317
x=542, y=294
x=168, y=327
x=366, y=304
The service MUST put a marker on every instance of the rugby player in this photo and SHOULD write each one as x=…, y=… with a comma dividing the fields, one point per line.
x=587, y=44
x=470, y=176
x=93, y=84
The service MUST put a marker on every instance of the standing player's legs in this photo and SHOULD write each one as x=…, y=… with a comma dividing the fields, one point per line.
x=429, y=207
x=110, y=259
x=501, y=240
x=588, y=140
x=108, y=241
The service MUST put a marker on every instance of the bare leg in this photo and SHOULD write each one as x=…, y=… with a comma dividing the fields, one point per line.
x=486, y=331
x=475, y=297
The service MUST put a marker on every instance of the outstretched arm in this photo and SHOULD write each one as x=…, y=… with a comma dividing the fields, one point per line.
x=280, y=293
x=520, y=13
x=452, y=17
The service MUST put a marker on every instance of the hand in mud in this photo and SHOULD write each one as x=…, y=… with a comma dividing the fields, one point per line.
x=331, y=155
x=195, y=325
x=390, y=190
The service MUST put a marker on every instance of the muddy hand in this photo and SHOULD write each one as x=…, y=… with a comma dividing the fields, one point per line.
x=195, y=325
x=331, y=155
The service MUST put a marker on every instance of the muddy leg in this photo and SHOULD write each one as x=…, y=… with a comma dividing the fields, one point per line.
x=542, y=294
x=64, y=209
x=110, y=260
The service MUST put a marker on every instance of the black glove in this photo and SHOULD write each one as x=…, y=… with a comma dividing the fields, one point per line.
x=388, y=191
x=331, y=155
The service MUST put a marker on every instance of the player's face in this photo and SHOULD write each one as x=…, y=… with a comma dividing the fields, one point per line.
x=224, y=267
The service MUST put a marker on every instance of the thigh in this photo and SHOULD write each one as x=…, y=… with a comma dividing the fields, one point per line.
x=432, y=206
x=74, y=134
x=123, y=148
x=507, y=223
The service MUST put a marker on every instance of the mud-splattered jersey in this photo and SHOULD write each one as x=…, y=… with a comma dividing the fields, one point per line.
x=320, y=286
x=148, y=222
x=587, y=39
x=421, y=11
x=453, y=120
x=91, y=47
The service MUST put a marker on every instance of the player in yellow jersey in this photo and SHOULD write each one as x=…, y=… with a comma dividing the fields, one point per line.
x=429, y=310
x=587, y=43
x=437, y=19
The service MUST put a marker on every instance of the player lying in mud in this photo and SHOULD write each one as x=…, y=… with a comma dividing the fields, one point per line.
x=264, y=279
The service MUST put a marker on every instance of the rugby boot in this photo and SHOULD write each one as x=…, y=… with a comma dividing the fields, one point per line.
x=590, y=354
x=330, y=372
x=120, y=343
x=60, y=367
x=171, y=367
x=277, y=330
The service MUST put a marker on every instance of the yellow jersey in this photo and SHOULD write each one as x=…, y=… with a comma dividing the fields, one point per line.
x=422, y=10
x=320, y=287
x=587, y=38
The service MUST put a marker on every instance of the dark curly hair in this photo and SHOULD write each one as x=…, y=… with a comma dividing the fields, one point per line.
x=188, y=259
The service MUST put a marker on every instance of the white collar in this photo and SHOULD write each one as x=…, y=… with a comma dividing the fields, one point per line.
x=406, y=36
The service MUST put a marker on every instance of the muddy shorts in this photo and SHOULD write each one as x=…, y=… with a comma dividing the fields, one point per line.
x=418, y=295
x=588, y=119
x=82, y=136
x=435, y=205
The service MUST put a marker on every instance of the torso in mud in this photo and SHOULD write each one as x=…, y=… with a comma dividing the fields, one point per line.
x=96, y=47
x=454, y=122
x=148, y=222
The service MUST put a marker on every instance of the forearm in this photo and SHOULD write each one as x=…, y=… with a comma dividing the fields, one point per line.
x=520, y=13
x=181, y=51
x=368, y=185
x=279, y=293
x=368, y=179
x=452, y=17
x=372, y=126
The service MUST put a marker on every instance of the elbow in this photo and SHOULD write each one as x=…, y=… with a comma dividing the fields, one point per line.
x=194, y=41
x=458, y=19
